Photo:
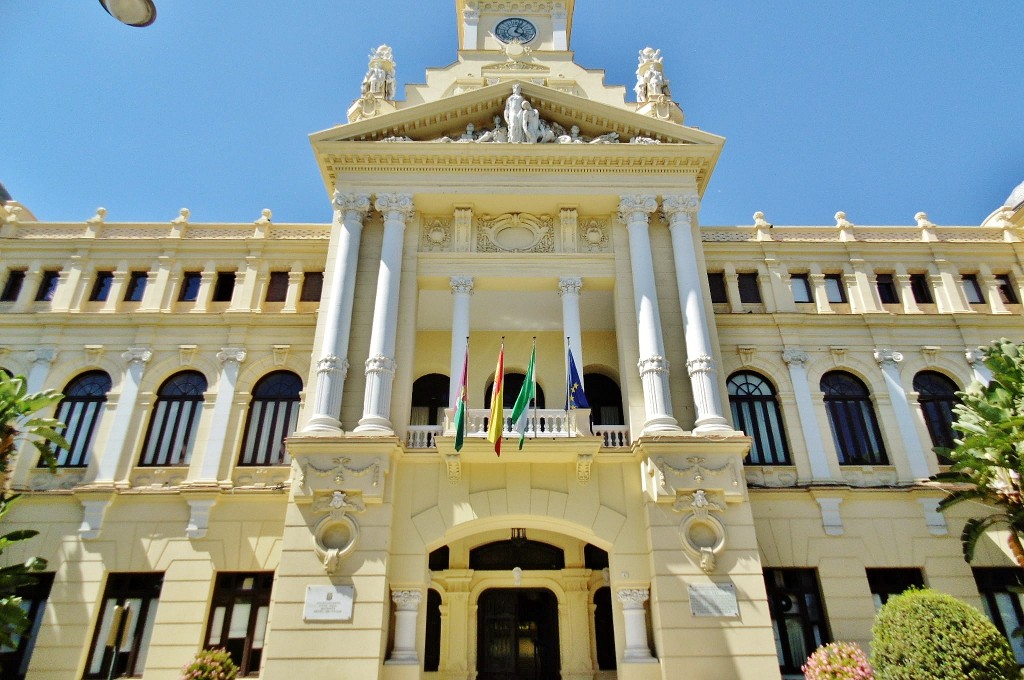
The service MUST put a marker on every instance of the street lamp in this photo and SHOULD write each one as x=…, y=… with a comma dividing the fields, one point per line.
x=131, y=12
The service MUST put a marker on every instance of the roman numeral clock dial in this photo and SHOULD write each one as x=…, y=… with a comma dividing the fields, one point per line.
x=515, y=29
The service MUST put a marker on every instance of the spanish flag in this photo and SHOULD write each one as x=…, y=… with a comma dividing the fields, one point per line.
x=497, y=422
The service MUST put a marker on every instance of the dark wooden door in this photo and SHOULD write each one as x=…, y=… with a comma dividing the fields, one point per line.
x=517, y=635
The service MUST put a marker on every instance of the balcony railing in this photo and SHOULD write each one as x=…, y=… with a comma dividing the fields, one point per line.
x=542, y=424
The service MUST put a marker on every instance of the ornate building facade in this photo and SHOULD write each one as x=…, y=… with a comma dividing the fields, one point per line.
x=263, y=453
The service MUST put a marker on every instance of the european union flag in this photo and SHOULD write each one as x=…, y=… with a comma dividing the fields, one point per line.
x=575, y=397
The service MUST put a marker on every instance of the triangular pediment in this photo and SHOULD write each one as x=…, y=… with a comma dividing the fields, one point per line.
x=578, y=132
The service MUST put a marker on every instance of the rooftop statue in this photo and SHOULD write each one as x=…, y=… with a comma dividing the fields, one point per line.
x=651, y=84
x=379, y=81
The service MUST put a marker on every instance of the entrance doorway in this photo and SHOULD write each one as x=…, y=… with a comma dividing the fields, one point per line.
x=517, y=634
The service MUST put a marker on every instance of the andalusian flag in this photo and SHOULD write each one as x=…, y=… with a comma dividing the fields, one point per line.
x=497, y=421
x=460, y=408
x=521, y=411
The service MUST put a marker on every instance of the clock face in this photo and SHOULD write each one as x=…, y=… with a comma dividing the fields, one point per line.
x=515, y=29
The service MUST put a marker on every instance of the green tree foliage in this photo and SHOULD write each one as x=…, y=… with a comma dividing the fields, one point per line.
x=988, y=460
x=927, y=634
x=19, y=423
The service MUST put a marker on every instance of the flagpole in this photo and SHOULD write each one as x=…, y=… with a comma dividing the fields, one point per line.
x=567, y=404
x=534, y=391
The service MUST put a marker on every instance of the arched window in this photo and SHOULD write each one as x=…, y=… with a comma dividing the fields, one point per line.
x=80, y=411
x=429, y=399
x=937, y=396
x=605, y=399
x=755, y=411
x=510, y=391
x=852, y=419
x=273, y=412
x=172, y=427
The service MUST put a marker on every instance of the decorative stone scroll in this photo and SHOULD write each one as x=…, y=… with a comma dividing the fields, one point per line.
x=702, y=534
x=336, y=534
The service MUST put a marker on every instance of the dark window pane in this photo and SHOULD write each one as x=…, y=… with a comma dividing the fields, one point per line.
x=921, y=289
x=432, y=632
x=312, y=285
x=238, y=617
x=835, y=291
x=80, y=410
x=798, y=616
x=801, y=287
x=126, y=616
x=755, y=411
x=136, y=287
x=190, y=286
x=525, y=554
x=224, y=287
x=750, y=293
x=604, y=629
x=175, y=418
x=101, y=287
x=884, y=583
x=47, y=286
x=1006, y=290
x=851, y=416
x=273, y=413
x=887, y=292
x=937, y=396
x=15, y=279
x=277, y=287
x=716, y=283
x=1000, y=594
x=972, y=289
x=14, y=662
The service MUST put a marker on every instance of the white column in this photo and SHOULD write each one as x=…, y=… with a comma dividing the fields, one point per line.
x=117, y=446
x=634, y=211
x=332, y=366
x=681, y=210
x=380, y=366
x=569, y=288
x=462, y=290
x=888, y=359
x=635, y=620
x=559, y=28
x=797, y=361
x=407, y=606
x=976, y=359
x=230, y=359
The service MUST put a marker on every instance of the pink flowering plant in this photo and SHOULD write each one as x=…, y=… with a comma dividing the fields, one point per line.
x=838, y=661
x=210, y=664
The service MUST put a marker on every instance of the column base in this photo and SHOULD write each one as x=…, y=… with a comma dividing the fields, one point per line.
x=638, y=656
x=323, y=424
x=403, y=659
x=374, y=425
x=661, y=425
x=712, y=425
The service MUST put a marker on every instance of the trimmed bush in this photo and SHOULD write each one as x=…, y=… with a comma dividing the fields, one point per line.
x=210, y=664
x=926, y=634
x=838, y=661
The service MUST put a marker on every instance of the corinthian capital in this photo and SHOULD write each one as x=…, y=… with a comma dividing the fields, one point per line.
x=633, y=598
x=406, y=600
x=394, y=206
x=461, y=284
x=636, y=206
x=682, y=207
x=569, y=285
x=351, y=202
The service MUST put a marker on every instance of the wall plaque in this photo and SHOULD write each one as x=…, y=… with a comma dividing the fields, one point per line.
x=328, y=603
x=713, y=599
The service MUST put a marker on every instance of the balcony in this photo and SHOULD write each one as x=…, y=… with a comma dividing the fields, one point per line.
x=542, y=424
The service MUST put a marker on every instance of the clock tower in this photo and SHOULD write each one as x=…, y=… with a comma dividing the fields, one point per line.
x=495, y=24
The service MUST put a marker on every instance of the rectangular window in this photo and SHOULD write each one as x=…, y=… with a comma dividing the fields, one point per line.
x=887, y=291
x=716, y=283
x=800, y=284
x=14, y=660
x=190, y=286
x=1002, y=604
x=835, y=291
x=136, y=287
x=1006, y=292
x=972, y=289
x=15, y=278
x=101, y=287
x=238, y=617
x=750, y=292
x=277, y=287
x=47, y=285
x=125, y=626
x=921, y=289
x=798, y=616
x=312, y=285
x=885, y=583
x=224, y=288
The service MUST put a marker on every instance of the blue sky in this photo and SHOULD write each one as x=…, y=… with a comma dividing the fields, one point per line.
x=879, y=108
